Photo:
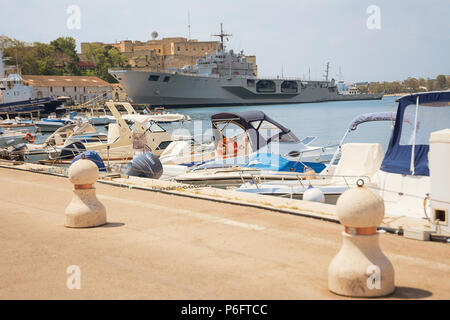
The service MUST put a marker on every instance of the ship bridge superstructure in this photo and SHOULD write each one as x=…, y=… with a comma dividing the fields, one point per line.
x=224, y=63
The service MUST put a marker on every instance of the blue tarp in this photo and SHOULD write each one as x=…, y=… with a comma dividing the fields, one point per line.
x=398, y=156
x=270, y=161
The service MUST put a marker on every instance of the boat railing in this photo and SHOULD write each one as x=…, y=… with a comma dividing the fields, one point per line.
x=302, y=178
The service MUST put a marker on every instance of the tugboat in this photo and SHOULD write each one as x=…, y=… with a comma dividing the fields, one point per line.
x=16, y=97
x=225, y=78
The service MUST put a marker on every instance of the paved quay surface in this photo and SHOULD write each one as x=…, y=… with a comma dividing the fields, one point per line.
x=159, y=246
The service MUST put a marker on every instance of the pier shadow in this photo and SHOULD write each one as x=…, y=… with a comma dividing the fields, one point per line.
x=410, y=293
x=112, y=225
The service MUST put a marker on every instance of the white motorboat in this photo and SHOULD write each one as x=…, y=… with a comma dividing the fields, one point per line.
x=12, y=137
x=239, y=138
x=244, y=145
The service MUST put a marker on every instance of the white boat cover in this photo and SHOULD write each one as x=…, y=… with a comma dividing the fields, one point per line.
x=360, y=159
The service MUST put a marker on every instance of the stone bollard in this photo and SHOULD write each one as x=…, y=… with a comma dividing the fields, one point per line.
x=85, y=210
x=360, y=269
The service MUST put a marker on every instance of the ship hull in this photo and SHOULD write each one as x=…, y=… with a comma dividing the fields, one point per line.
x=44, y=105
x=196, y=91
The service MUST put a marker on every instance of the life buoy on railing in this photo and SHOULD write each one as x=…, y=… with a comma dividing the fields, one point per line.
x=29, y=137
x=224, y=150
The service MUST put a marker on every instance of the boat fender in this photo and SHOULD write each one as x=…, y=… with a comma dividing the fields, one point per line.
x=29, y=137
x=314, y=195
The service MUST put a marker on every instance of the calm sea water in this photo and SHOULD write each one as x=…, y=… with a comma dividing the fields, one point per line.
x=328, y=121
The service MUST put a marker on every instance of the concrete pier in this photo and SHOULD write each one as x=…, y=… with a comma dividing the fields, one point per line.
x=161, y=246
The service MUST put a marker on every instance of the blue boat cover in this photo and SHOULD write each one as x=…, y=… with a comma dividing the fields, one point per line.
x=274, y=162
x=145, y=165
x=94, y=157
x=398, y=156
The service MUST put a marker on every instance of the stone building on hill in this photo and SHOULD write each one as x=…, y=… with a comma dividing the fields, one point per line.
x=80, y=89
x=163, y=54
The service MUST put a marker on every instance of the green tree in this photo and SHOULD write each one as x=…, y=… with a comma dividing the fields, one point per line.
x=57, y=58
x=66, y=54
x=412, y=84
x=440, y=82
x=104, y=59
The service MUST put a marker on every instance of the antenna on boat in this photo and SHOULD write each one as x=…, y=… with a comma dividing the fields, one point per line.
x=221, y=36
x=340, y=75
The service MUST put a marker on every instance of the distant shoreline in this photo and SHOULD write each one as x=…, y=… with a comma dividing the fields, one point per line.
x=396, y=94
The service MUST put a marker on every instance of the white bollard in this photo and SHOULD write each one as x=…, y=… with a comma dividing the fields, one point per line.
x=360, y=269
x=85, y=210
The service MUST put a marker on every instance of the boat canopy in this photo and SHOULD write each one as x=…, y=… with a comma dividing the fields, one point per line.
x=409, y=145
x=260, y=128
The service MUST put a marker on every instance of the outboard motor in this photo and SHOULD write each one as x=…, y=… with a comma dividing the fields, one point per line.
x=94, y=157
x=145, y=165
x=72, y=150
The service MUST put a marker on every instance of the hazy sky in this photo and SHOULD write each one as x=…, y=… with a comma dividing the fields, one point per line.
x=413, y=39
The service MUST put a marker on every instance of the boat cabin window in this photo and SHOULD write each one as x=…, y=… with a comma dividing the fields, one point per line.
x=163, y=145
x=166, y=79
x=429, y=119
x=250, y=82
x=153, y=78
x=154, y=127
x=265, y=86
x=289, y=87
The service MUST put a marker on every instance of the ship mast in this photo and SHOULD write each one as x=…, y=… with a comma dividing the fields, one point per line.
x=327, y=70
x=222, y=35
x=189, y=25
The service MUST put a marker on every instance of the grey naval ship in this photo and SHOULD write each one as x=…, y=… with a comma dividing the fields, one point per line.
x=224, y=79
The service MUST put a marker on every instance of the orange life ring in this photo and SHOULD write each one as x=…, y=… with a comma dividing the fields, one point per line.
x=224, y=150
x=29, y=137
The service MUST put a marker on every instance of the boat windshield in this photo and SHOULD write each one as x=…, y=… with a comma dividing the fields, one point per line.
x=154, y=127
x=408, y=148
x=430, y=118
x=271, y=133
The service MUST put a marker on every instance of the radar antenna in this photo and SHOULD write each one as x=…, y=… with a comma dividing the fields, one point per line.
x=221, y=36
x=154, y=35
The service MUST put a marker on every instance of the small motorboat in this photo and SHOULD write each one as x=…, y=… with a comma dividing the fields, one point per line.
x=247, y=144
x=19, y=125
x=51, y=123
x=10, y=137
x=240, y=137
